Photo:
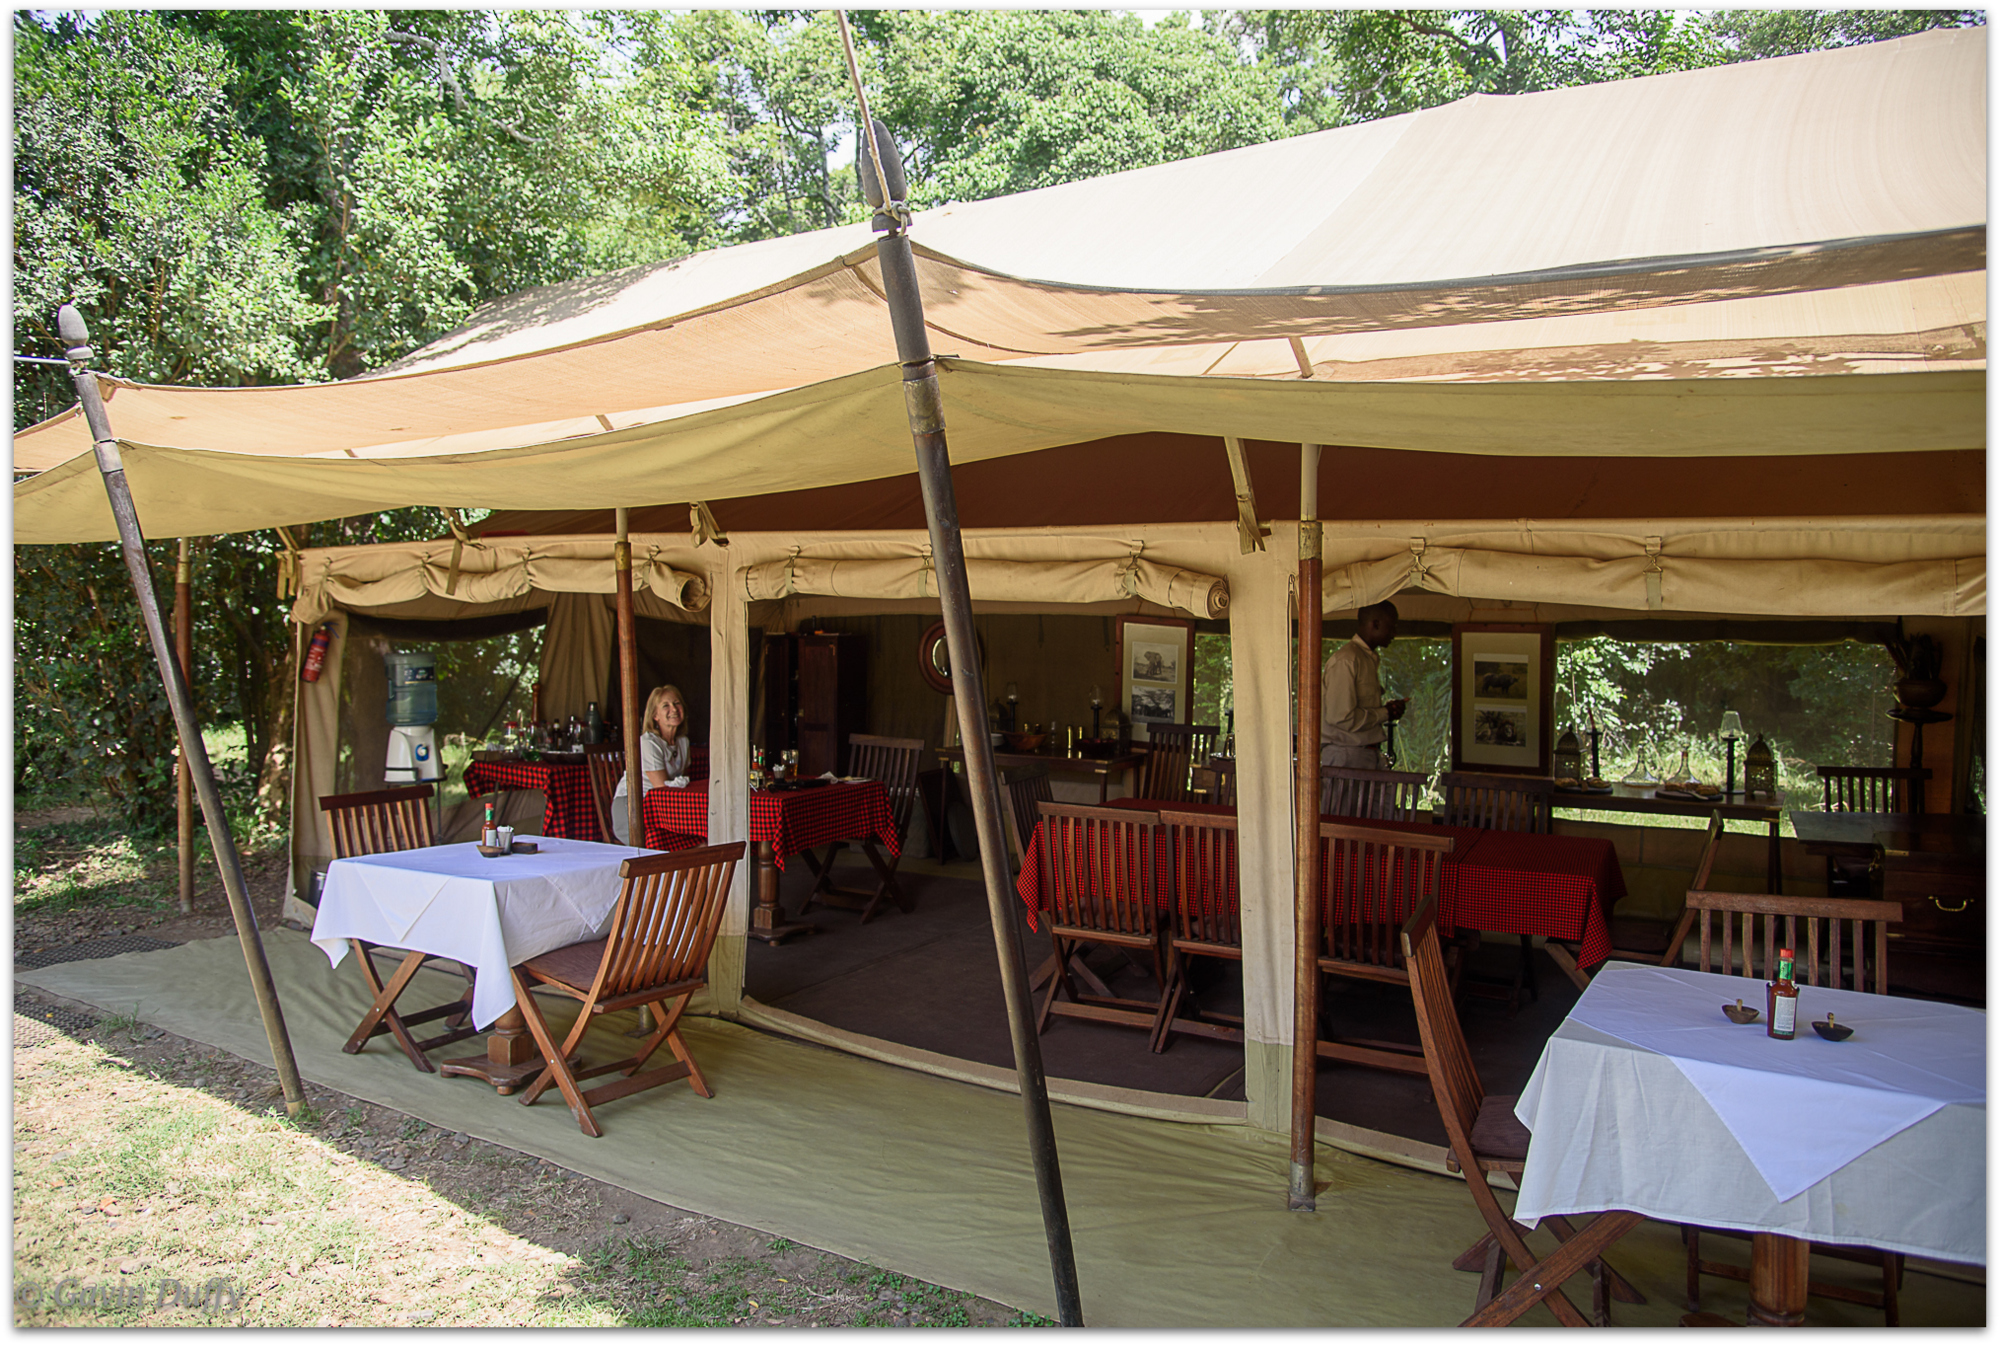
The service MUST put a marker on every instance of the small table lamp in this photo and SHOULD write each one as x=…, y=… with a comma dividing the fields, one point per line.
x=1732, y=733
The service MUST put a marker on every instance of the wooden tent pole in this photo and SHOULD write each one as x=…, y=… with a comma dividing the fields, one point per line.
x=183, y=779
x=1305, y=850
x=628, y=685
x=111, y=466
x=883, y=185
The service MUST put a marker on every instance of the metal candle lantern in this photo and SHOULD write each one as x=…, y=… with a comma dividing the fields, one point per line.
x=1569, y=757
x=1760, y=772
x=1731, y=733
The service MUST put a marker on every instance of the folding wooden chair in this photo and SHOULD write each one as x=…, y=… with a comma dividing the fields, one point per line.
x=379, y=822
x=1752, y=913
x=1382, y=796
x=1484, y=1137
x=1865, y=789
x=1100, y=885
x=1643, y=939
x=1371, y=879
x=894, y=762
x=1201, y=865
x=654, y=956
x=1503, y=803
x=1172, y=750
x=607, y=765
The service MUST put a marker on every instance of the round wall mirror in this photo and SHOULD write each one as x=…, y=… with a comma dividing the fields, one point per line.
x=934, y=658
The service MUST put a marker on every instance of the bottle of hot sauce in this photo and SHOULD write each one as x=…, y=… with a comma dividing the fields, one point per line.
x=489, y=834
x=1781, y=999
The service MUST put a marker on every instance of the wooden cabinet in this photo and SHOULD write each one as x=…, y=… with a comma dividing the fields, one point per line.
x=1939, y=946
x=815, y=695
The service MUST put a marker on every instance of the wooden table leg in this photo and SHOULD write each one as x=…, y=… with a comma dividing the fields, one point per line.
x=767, y=921
x=511, y=1061
x=1778, y=1280
x=1565, y=962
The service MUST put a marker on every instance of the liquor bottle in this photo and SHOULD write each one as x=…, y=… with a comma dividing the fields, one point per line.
x=489, y=834
x=1781, y=1000
x=593, y=724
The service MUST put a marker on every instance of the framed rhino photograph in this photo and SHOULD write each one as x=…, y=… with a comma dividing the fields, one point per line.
x=1502, y=698
x=1155, y=672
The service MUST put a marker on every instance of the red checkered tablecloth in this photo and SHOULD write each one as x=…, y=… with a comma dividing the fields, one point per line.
x=791, y=820
x=1560, y=887
x=566, y=785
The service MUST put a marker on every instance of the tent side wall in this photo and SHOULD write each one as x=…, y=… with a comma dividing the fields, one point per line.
x=771, y=580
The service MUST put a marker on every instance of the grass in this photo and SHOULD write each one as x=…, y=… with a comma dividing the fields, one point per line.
x=145, y=1197
x=126, y=1181
x=70, y=865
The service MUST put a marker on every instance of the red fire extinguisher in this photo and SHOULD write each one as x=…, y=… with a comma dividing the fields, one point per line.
x=316, y=653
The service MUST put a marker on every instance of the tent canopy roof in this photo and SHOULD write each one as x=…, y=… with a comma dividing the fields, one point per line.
x=1611, y=270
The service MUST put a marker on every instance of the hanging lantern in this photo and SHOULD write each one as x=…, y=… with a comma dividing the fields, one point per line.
x=1760, y=771
x=1568, y=760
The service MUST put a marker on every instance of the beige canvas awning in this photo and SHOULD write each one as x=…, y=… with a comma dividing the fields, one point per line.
x=1815, y=215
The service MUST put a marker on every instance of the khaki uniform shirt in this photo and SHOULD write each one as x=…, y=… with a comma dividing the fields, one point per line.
x=1350, y=708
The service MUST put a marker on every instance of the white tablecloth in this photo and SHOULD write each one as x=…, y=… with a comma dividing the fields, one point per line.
x=1667, y=1116
x=487, y=913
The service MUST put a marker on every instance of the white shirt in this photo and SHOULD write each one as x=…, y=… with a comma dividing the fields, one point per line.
x=1351, y=713
x=657, y=754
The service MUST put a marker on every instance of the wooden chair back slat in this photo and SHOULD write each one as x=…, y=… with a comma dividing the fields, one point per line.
x=1172, y=750
x=1497, y=802
x=1371, y=881
x=1099, y=870
x=606, y=762
x=380, y=821
x=894, y=762
x=1871, y=789
x=1202, y=876
x=1384, y=796
x=1454, y=1080
x=1760, y=916
x=1025, y=789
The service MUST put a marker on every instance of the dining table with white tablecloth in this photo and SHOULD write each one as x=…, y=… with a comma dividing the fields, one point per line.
x=487, y=913
x=1648, y=1098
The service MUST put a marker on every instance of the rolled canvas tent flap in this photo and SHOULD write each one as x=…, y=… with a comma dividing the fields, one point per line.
x=1931, y=567
x=993, y=580
x=491, y=571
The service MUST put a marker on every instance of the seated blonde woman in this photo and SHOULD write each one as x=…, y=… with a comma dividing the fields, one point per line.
x=665, y=752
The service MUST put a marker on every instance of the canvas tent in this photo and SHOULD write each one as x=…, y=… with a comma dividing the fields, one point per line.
x=1702, y=345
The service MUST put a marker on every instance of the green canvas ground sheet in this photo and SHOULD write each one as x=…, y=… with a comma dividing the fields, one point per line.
x=1175, y=1225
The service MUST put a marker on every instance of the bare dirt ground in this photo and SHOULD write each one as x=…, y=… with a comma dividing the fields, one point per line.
x=157, y=1178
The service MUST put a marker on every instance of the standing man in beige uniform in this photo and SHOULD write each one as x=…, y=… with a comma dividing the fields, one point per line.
x=1352, y=714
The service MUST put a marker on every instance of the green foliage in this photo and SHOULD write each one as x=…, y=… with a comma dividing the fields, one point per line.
x=1814, y=704
x=91, y=719
x=1754, y=34
x=136, y=198
x=1337, y=67
x=991, y=102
